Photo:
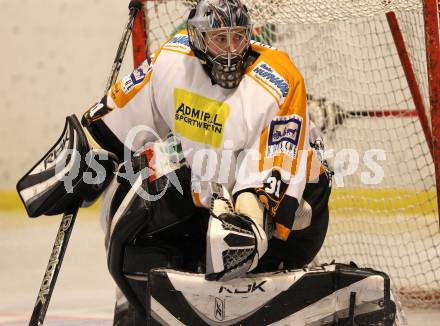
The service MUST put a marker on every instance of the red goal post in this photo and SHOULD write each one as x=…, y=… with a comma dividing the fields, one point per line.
x=431, y=10
x=373, y=75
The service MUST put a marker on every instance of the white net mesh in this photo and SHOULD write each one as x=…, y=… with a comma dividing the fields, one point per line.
x=306, y=12
x=358, y=92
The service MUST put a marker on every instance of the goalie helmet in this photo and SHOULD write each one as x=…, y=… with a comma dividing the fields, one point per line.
x=219, y=35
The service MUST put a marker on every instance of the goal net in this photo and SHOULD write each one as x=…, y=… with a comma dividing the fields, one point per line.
x=375, y=117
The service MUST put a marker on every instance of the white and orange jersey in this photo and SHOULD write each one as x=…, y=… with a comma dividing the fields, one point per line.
x=254, y=137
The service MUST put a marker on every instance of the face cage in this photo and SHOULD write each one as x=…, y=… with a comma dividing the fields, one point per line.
x=223, y=58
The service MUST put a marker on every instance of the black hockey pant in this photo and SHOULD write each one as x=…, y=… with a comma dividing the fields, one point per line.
x=189, y=237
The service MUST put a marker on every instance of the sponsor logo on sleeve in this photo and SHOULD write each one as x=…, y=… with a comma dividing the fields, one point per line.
x=136, y=77
x=180, y=43
x=199, y=118
x=263, y=45
x=273, y=81
x=284, y=135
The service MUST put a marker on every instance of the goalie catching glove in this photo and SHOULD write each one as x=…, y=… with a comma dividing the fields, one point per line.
x=235, y=242
x=73, y=171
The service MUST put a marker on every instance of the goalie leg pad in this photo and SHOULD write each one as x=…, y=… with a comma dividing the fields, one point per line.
x=327, y=295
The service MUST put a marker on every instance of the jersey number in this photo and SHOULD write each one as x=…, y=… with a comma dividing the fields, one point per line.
x=274, y=186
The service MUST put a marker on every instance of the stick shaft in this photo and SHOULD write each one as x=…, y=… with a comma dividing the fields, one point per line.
x=53, y=267
x=68, y=220
x=134, y=8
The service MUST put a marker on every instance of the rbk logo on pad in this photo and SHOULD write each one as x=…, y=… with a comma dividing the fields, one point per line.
x=219, y=309
x=243, y=289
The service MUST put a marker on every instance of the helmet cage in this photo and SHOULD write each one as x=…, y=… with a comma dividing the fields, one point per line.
x=225, y=45
x=219, y=34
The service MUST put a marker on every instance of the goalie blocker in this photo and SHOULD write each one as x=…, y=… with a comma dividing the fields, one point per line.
x=333, y=294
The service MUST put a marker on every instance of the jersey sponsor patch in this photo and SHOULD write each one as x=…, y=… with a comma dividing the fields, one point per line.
x=264, y=45
x=273, y=81
x=136, y=77
x=199, y=118
x=284, y=135
x=179, y=43
x=124, y=90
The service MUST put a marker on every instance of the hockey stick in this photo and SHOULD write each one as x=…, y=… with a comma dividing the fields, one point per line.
x=53, y=267
x=134, y=6
x=68, y=220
